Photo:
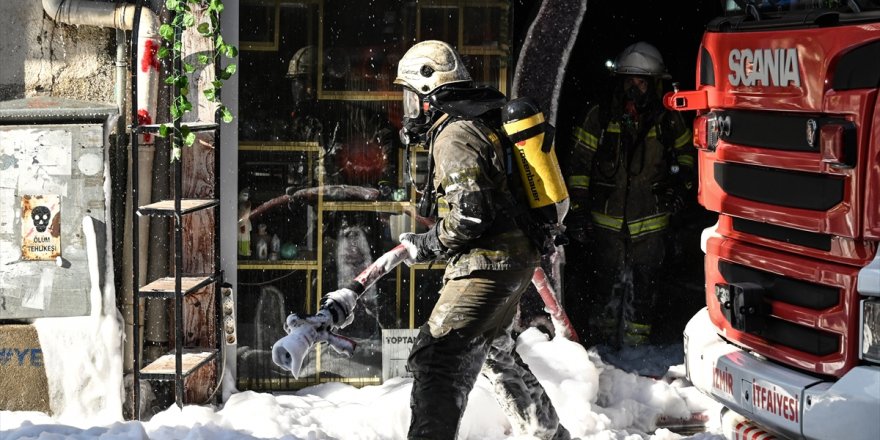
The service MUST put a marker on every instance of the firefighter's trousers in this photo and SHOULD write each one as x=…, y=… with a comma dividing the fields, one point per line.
x=467, y=333
x=623, y=288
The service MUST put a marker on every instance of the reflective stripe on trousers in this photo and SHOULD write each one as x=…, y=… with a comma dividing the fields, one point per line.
x=637, y=227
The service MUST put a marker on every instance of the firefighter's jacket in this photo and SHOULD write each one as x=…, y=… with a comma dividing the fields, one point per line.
x=474, y=200
x=621, y=178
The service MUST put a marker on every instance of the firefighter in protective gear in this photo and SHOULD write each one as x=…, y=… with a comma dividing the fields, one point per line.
x=301, y=73
x=490, y=261
x=631, y=168
x=305, y=125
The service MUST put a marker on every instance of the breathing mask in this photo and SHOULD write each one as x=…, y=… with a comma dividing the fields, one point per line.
x=415, y=118
x=301, y=93
x=636, y=89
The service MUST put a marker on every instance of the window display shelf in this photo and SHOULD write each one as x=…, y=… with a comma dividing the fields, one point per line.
x=394, y=207
x=313, y=147
x=485, y=50
x=339, y=95
x=275, y=383
x=436, y=265
x=279, y=265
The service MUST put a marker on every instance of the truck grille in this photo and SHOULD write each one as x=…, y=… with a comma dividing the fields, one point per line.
x=790, y=308
x=798, y=293
x=813, y=240
x=779, y=288
x=773, y=130
x=793, y=189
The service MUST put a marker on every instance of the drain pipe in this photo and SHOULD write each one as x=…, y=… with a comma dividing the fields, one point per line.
x=121, y=17
x=119, y=88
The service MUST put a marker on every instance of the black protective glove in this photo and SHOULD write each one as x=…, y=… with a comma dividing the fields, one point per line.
x=579, y=222
x=678, y=192
x=672, y=199
x=422, y=247
x=385, y=189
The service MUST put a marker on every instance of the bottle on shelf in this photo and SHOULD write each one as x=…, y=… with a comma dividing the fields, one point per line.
x=244, y=223
x=274, y=247
x=261, y=244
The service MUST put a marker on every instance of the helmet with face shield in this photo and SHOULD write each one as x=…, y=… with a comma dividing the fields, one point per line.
x=425, y=68
x=640, y=59
x=301, y=73
x=640, y=71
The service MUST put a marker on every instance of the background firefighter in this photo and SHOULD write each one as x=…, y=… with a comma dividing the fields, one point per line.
x=631, y=168
x=305, y=124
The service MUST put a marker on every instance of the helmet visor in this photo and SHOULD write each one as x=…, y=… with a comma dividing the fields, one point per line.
x=411, y=104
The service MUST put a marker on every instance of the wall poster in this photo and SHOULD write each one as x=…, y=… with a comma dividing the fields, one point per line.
x=40, y=227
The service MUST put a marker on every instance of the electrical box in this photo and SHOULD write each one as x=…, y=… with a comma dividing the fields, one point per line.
x=53, y=173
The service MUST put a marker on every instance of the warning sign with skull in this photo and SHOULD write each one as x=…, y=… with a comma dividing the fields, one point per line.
x=40, y=227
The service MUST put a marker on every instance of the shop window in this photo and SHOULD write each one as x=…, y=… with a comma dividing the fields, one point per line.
x=325, y=186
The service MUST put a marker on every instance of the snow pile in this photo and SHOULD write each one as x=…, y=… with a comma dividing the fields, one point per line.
x=83, y=355
x=594, y=400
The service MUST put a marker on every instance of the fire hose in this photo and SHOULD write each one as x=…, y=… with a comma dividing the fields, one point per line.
x=290, y=351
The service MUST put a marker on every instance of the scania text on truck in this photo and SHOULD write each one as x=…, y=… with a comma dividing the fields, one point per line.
x=787, y=128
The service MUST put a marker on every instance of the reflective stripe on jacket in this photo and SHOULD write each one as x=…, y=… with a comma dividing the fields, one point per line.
x=615, y=171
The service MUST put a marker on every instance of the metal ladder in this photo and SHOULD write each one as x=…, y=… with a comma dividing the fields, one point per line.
x=181, y=361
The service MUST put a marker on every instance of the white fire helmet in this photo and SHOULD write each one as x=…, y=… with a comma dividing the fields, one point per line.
x=302, y=62
x=430, y=64
x=640, y=59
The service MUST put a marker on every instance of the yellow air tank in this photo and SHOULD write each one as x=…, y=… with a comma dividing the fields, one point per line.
x=535, y=154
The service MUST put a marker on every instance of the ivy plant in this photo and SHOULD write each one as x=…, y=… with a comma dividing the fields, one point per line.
x=184, y=19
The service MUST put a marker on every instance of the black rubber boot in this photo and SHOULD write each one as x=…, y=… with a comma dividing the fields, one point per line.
x=444, y=372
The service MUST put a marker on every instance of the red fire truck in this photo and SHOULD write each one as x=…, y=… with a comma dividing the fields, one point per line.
x=788, y=134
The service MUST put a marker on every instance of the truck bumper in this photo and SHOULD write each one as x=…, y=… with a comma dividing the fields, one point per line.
x=782, y=400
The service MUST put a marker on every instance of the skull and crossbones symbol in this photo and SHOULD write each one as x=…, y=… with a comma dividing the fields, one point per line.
x=41, y=216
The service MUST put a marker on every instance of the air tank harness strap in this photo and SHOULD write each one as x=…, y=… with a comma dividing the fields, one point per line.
x=509, y=207
x=427, y=206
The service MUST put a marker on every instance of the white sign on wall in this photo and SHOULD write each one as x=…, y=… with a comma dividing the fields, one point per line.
x=40, y=227
x=396, y=345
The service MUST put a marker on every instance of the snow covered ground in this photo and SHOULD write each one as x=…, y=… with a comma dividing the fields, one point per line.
x=594, y=400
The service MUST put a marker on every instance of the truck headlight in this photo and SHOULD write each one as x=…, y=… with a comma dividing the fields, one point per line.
x=870, y=330
x=709, y=128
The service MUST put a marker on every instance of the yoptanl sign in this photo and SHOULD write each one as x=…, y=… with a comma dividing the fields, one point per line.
x=396, y=345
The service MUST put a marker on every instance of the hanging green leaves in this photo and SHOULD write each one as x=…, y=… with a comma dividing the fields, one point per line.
x=184, y=19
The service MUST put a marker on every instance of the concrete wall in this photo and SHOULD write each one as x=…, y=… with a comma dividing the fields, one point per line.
x=43, y=58
x=40, y=57
x=57, y=165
